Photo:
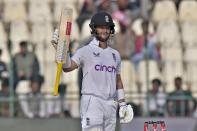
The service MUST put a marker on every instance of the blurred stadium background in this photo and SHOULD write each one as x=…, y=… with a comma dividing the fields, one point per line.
x=174, y=25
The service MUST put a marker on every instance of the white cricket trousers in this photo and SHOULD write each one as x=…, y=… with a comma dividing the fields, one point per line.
x=98, y=114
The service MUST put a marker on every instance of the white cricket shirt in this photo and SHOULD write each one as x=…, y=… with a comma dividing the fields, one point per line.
x=100, y=67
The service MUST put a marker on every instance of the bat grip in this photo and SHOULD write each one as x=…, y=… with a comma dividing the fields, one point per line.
x=58, y=74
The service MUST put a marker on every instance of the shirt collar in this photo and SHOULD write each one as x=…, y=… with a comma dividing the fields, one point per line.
x=95, y=42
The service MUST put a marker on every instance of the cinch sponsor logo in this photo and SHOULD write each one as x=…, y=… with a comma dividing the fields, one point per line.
x=105, y=68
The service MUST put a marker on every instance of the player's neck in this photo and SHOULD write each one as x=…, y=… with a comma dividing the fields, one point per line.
x=102, y=45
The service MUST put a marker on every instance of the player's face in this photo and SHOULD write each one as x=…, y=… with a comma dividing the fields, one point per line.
x=103, y=33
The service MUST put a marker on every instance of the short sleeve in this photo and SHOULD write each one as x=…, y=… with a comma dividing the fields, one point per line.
x=78, y=57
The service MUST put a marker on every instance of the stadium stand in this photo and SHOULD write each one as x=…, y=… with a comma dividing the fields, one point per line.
x=18, y=32
x=128, y=78
x=168, y=34
x=164, y=10
x=13, y=6
x=186, y=11
x=188, y=26
x=171, y=70
x=188, y=33
x=153, y=73
x=3, y=40
x=172, y=54
x=59, y=4
x=39, y=12
x=41, y=33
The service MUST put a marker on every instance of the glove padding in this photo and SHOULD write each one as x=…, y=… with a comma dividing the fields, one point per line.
x=55, y=38
x=126, y=113
x=54, y=42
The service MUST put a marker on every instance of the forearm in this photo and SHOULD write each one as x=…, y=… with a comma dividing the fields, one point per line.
x=120, y=96
x=120, y=90
x=69, y=65
x=125, y=111
x=72, y=66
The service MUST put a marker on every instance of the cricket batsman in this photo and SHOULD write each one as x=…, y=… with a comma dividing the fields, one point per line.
x=102, y=88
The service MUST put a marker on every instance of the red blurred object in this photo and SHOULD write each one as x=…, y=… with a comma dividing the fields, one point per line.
x=163, y=126
x=145, y=126
x=156, y=125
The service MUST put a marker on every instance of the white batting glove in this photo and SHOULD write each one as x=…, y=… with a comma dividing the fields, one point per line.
x=126, y=113
x=55, y=38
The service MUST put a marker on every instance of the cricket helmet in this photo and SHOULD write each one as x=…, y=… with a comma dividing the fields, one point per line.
x=102, y=19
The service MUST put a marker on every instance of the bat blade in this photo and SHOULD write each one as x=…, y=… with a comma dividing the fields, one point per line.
x=64, y=34
x=63, y=43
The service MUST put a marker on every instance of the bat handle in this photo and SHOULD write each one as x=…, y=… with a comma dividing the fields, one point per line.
x=58, y=74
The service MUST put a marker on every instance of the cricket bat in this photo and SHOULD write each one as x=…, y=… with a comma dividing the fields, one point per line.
x=63, y=43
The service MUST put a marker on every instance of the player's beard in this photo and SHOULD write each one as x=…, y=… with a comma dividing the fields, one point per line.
x=103, y=37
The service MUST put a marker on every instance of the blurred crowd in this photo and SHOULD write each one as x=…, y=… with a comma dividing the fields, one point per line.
x=156, y=40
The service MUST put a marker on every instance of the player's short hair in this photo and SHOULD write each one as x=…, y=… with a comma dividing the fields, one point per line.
x=178, y=78
x=23, y=44
x=156, y=80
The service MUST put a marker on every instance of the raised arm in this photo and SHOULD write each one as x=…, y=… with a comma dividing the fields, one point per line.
x=69, y=65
